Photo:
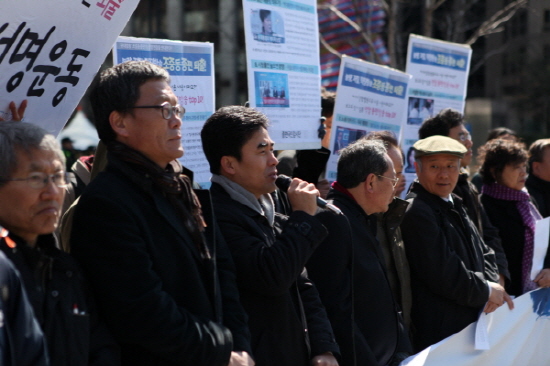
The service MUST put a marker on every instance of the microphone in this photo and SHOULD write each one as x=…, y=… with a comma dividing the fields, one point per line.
x=283, y=182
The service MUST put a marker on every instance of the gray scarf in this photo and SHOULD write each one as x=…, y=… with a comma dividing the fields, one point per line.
x=264, y=206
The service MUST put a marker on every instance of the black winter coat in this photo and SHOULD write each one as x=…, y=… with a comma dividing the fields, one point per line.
x=164, y=304
x=287, y=321
x=349, y=270
x=62, y=304
x=540, y=192
x=450, y=265
x=21, y=340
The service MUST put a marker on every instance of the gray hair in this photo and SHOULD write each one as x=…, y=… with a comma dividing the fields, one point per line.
x=16, y=137
x=360, y=159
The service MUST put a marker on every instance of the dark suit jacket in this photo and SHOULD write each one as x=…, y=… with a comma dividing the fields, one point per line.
x=450, y=265
x=164, y=304
x=287, y=321
x=21, y=339
x=55, y=288
x=349, y=270
x=540, y=192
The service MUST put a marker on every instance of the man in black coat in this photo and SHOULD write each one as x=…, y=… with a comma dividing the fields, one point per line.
x=450, y=123
x=162, y=274
x=287, y=321
x=21, y=340
x=32, y=183
x=349, y=266
x=538, y=182
x=538, y=185
x=453, y=273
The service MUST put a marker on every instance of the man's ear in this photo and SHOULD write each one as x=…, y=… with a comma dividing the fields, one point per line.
x=228, y=165
x=416, y=167
x=118, y=123
x=369, y=182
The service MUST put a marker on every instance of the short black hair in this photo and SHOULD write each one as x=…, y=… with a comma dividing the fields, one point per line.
x=328, y=99
x=536, y=151
x=441, y=123
x=497, y=132
x=387, y=137
x=360, y=159
x=118, y=90
x=227, y=131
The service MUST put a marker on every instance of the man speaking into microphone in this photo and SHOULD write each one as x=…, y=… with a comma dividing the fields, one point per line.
x=288, y=323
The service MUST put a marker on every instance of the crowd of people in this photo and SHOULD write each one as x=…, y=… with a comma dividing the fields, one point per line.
x=132, y=264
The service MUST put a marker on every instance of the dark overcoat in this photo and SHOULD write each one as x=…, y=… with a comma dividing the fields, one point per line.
x=349, y=271
x=287, y=321
x=450, y=265
x=162, y=301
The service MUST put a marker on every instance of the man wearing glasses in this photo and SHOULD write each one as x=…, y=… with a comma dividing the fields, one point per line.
x=32, y=182
x=162, y=273
x=348, y=267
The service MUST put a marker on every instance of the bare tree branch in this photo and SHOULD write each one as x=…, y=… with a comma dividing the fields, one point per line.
x=430, y=7
x=492, y=25
x=434, y=6
x=329, y=47
x=487, y=56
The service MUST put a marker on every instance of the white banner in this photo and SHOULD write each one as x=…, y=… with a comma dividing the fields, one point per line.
x=370, y=98
x=439, y=80
x=51, y=50
x=513, y=337
x=191, y=69
x=284, y=80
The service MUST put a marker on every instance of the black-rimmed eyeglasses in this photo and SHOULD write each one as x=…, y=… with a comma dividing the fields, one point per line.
x=394, y=180
x=167, y=109
x=39, y=180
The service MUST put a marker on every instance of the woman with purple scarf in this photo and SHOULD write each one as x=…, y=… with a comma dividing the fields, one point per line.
x=511, y=209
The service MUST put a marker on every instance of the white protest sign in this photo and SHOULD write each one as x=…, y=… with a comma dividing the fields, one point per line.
x=516, y=337
x=542, y=232
x=439, y=72
x=191, y=69
x=284, y=81
x=51, y=50
x=370, y=98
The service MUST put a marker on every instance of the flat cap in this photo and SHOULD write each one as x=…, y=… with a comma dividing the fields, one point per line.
x=438, y=145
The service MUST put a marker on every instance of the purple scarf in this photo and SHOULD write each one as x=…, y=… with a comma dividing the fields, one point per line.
x=529, y=215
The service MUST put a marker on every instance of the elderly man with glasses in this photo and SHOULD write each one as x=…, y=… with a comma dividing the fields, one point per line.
x=32, y=182
x=162, y=273
x=349, y=268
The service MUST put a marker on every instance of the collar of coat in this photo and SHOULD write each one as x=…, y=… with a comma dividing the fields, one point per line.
x=264, y=205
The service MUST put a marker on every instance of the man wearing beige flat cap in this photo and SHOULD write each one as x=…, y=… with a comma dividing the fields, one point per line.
x=453, y=272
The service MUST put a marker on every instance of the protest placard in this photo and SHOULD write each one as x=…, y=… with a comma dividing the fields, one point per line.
x=191, y=69
x=51, y=50
x=439, y=72
x=282, y=49
x=370, y=98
